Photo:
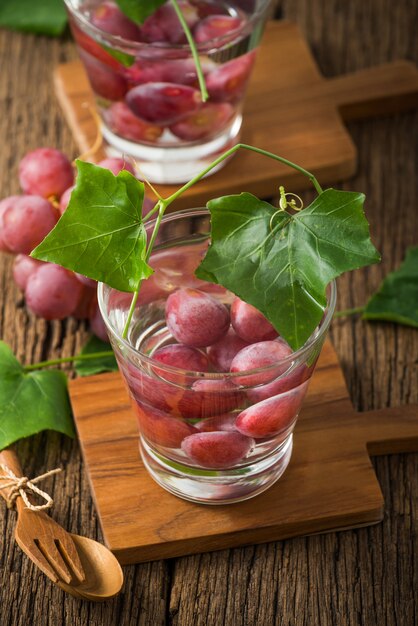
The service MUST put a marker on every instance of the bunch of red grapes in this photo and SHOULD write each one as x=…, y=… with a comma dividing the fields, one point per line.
x=215, y=422
x=46, y=177
x=158, y=97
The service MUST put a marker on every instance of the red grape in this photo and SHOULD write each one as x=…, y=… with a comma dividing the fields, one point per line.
x=215, y=26
x=104, y=81
x=27, y=222
x=219, y=422
x=163, y=103
x=5, y=204
x=53, y=292
x=217, y=449
x=228, y=82
x=196, y=318
x=210, y=397
x=208, y=120
x=65, y=199
x=116, y=165
x=45, y=172
x=109, y=18
x=282, y=384
x=87, y=282
x=249, y=323
x=179, y=71
x=93, y=48
x=82, y=310
x=264, y=354
x=160, y=428
x=164, y=25
x=23, y=268
x=272, y=416
x=124, y=123
x=183, y=357
x=223, y=351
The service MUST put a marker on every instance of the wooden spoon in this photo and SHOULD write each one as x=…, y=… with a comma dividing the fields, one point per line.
x=103, y=574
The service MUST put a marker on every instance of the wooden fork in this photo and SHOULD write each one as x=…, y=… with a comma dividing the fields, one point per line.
x=44, y=541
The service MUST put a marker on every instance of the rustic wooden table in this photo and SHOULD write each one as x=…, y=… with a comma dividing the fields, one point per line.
x=363, y=577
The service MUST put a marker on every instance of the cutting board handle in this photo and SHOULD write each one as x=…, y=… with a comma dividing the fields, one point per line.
x=382, y=90
x=390, y=431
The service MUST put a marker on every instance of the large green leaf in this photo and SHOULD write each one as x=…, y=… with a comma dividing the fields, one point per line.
x=139, y=10
x=31, y=401
x=44, y=17
x=397, y=298
x=282, y=264
x=99, y=364
x=101, y=234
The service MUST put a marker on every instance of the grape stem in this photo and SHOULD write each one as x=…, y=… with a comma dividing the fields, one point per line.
x=345, y=312
x=195, y=54
x=68, y=359
x=162, y=204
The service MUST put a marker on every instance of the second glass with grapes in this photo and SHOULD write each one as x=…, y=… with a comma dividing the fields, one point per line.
x=147, y=86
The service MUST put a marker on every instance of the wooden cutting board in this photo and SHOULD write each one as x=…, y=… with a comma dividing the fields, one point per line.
x=290, y=109
x=329, y=485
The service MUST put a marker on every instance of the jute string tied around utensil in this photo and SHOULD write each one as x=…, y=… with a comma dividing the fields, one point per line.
x=22, y=486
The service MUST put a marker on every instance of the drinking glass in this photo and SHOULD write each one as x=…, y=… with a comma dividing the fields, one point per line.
x=146, y=86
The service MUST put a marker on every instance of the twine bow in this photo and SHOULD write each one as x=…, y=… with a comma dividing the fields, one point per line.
x=22, y=486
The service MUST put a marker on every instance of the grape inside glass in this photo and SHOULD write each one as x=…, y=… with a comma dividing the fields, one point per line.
x=215, y=391
x=146, y=85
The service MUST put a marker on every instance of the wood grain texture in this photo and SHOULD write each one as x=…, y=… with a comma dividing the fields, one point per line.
x=329, y=484
x=366, y=577
x=289, y=110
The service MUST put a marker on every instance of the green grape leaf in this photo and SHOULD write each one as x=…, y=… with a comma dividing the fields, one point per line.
x=281, y=263
x=31, y=401
x=138, y=11
x=397, y=297
x=99, y=364
x=101, y=234
x=42, y=17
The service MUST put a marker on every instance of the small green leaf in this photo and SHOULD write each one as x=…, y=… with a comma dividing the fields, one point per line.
x=101, y=234
x=138, y=11
x=397, y=297
x=281, y=263
x=42, y=17
x=123, y=57
x=31, y=402
x=96, y=366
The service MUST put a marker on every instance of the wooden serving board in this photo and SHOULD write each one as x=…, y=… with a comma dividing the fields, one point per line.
x=329, y=485
x=290, y=109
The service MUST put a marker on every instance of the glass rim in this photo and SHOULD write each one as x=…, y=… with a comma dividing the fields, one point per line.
x=315, y=337
x=204, y=47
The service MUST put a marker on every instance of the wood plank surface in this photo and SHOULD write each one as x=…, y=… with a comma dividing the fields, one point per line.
x=366, y=577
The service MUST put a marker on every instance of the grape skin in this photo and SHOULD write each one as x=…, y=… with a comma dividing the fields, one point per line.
x=218, y=449
x=53, y=292
x=26, y=222
x=195, y=318
x=23, y=268
x=5, y=204
x=45, y=172
x=249, y=323
x=163, y=103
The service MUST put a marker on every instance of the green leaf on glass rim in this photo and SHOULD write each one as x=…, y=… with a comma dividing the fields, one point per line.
x=98, y=365
x=101, y=234
x=281, y=263
x=42, y=17
x=397, y=297
x=31, y=401
x=138, y=11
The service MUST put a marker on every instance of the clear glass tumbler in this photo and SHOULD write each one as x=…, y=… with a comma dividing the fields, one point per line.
x=146, y=85
x=208, y=436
